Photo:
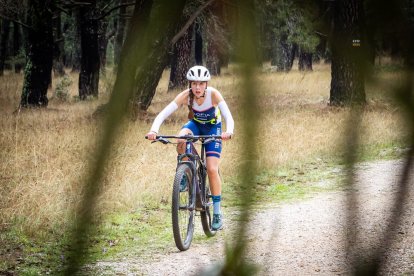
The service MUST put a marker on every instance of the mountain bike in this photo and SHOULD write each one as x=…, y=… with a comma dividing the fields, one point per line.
x=191, y=189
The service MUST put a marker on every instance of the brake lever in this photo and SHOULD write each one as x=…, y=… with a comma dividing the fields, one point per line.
x=164, y=141
x=161, y=140
x=208, y=140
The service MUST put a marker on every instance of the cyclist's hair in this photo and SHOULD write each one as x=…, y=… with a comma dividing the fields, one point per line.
x=190, y=105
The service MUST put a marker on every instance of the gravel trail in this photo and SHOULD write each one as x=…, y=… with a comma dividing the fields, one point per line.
x=300, y=238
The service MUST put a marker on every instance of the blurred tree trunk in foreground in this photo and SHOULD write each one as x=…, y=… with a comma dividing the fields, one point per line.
x=37, y=75
x=348, y=44
x=136, y=61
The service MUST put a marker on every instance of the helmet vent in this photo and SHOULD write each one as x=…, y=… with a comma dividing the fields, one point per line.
x=198, y=73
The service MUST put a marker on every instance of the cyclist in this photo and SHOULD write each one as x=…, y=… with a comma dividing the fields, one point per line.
x=206, y=105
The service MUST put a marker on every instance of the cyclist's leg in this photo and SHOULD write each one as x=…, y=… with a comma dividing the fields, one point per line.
x=215, y=186
x=213, y=151
x=189, y=128
x=181, y=142
x=213, y=176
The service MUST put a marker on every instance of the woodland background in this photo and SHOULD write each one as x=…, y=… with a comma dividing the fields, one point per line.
x=81, y=81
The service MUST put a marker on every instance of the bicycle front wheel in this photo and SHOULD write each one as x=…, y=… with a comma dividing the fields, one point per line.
x=182, y=217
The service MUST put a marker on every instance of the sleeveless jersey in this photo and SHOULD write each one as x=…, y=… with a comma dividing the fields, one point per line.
x=206, y=112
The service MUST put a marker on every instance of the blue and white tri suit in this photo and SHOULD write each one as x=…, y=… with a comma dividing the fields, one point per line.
x=206, y=121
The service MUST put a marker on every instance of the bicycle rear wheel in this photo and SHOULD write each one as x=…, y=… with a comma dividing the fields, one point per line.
x=206, y=214
x=182, y=217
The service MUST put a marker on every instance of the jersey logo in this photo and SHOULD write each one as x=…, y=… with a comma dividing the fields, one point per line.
x=201, y=115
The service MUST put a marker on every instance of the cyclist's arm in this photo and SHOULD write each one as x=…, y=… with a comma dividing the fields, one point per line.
x=168, y=110
x=224, y=109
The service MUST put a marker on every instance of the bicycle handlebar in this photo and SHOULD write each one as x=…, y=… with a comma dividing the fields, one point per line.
x=203, y=138
x=187, y=137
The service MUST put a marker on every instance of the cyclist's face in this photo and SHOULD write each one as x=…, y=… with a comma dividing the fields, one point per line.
x=198, y=87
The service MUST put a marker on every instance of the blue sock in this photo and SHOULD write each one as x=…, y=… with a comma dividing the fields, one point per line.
x=216, y=204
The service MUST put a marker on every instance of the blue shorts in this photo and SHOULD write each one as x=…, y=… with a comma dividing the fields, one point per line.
x=213, y=148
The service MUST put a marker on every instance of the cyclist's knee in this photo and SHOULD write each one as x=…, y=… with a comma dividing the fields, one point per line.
x=212, y=169
x=180, y=146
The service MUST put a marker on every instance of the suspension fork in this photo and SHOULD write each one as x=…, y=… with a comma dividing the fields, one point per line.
x=191, y=162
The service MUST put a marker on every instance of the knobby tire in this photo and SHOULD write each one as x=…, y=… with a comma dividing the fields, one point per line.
x=182, y=218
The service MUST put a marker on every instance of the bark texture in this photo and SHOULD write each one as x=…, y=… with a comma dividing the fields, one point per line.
x=120, y=32
x=180, y=61
x=37, y=75
x=305, y=61
x=90, y=62
x=348, y=43
x=4, y=37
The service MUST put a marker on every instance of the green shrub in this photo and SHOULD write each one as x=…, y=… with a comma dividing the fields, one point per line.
x=62, y=88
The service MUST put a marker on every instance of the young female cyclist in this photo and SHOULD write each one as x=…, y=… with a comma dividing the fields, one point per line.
x=206, y=105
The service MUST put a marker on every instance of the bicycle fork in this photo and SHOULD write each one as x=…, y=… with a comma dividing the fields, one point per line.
x=191, y=162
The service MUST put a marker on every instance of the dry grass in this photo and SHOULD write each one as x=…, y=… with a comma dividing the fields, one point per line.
x=45, y=153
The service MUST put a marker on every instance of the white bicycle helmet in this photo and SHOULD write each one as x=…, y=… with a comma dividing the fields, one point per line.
x=198, y=73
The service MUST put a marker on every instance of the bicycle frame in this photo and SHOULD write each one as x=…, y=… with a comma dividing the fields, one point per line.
x=198, y=194
x=194, y=159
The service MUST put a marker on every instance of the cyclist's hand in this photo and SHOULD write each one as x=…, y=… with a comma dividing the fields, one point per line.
x=151, y=135
x=226, y=136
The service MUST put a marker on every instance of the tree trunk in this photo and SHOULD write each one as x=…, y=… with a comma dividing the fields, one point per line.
x=215, y=37
x=213, y=55
x=77, y=51
x=135, y=60
x=198, y=44
x=320, y=50
x=17, y=38
x=103, y=39
x=120, y=33
x=348, y=56
x=180, y=61
x=283, y=54
x=90, y=63
x=38, y=68
x=140, y=20
x=305, y=61
x=4, y=38
x=58, y=67
x=155, y=62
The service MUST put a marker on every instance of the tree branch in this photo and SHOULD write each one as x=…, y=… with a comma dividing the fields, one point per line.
x=59, y=8
x=16, y=21
x=107, y=5
x=114, y=8
x=321, y=34
x=189, y=22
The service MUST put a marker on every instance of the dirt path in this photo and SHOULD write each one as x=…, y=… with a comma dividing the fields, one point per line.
x=301, y=238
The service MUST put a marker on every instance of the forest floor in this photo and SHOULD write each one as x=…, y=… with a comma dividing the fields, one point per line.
x=305, y=237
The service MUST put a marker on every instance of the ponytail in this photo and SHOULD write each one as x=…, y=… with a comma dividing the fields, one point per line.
x=190, y=105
